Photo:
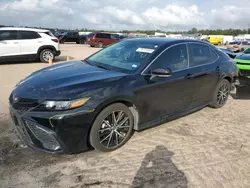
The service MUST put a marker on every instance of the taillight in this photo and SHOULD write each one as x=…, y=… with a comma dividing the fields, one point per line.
x=55, y=40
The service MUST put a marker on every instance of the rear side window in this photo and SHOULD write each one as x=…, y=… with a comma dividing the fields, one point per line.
x=200, y=54
x=49, y=33
x=8, y=35
x=28, y=35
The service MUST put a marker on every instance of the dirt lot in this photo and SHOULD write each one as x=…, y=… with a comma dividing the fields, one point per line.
x=207, y=149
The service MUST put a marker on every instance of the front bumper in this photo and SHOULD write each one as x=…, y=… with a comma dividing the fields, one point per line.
x=244, y=74
x=54, y=132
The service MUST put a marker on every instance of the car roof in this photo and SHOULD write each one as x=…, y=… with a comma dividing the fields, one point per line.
x=163, y=40
x=24, y=29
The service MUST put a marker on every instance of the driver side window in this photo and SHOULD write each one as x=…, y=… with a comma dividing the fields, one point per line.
x=174, y=58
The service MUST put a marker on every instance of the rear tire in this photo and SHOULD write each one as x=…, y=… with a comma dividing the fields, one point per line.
x=109, y=132
x=221, y=94
x=82, y=41
x=99, y=45
x=45, y=55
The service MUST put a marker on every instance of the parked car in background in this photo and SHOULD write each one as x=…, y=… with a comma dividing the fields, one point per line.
x=72, y=37
x=238, y=46
x=101, y=39
x=27, y=44
x=131, y=85
x=229, y=52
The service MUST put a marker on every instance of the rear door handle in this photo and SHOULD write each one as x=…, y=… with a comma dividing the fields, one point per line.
x=15, y=42
x=218, y=69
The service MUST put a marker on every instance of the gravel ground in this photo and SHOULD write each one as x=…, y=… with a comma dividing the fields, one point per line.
x=207, y=149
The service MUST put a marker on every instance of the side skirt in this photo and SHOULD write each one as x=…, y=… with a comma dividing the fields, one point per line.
x=170, y=117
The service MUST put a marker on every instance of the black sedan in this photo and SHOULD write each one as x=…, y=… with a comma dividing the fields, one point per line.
x=131, y=85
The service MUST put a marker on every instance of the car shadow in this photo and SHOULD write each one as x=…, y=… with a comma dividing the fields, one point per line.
x=158, y=170
x=242, y=93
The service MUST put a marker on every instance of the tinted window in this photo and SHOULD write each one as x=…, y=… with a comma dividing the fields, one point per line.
x=8, y=35
x=114, y=36
x=102, y=35
x=247, y=51
x=200, y=54
x=71, y=34
x=174, y=58
x=28, y=35
x=125, y=56
x=245, y=43
x=98, y=35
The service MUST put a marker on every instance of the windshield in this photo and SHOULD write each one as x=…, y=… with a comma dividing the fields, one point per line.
x=247, y=51
x=126, y=56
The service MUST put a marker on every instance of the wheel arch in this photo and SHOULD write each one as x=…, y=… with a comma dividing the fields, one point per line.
x=229, y=77
x=126, y=100
x=46, y=47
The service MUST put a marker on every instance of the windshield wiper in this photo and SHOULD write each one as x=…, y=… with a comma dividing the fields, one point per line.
x=100, y=66
x=96, y=65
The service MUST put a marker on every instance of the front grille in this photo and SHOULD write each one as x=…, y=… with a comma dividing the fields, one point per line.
x=244, y=72
x=47, y=140
x=21, y=129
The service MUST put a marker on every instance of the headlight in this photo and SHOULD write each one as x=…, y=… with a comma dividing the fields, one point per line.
x=64, y=105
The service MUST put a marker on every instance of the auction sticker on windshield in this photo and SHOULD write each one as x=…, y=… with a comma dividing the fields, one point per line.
x=145, y=50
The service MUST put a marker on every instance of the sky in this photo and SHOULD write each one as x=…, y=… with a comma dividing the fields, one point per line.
x=170, y=15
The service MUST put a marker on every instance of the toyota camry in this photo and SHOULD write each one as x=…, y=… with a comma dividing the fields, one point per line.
x=129, y=86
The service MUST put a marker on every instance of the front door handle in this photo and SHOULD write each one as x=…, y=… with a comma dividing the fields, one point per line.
x=15, y=42
x=188, y=76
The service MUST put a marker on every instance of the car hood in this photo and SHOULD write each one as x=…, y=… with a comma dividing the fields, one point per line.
x=243, y=56
x=64, y=81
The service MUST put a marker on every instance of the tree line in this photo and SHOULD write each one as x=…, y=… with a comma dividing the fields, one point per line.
x=230, y=31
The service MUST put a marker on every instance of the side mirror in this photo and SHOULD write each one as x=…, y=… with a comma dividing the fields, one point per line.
x=162, y=72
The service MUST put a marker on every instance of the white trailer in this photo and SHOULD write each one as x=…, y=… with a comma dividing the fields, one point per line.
x=227, y=39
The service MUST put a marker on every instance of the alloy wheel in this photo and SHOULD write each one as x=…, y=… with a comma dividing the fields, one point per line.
x=223, y=93
x=47, y=55
x=114, y=129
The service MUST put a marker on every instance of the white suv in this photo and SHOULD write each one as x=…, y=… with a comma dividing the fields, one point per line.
x=27, y=44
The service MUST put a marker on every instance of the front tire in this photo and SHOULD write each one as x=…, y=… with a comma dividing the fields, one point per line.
x=112, y=128
x=46, y=54
x=221, y=94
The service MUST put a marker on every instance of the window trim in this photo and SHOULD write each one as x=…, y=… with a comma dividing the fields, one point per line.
x=142, y=73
